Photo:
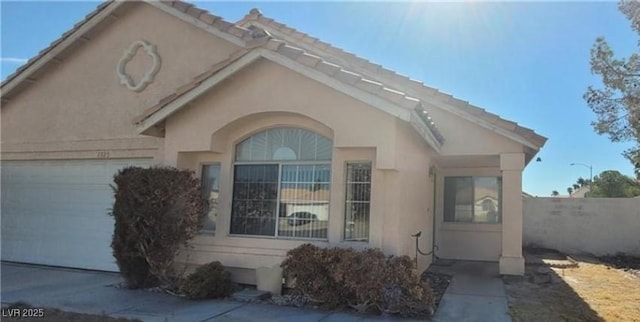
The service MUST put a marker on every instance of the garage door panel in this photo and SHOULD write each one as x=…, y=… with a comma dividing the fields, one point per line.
x=56, y=212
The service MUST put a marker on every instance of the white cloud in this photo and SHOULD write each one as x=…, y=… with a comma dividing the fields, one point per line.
x=13, y=60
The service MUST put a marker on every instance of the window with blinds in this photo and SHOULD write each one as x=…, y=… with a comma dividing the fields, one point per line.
x=282, y=180
x=358, y=201
x=472, y=199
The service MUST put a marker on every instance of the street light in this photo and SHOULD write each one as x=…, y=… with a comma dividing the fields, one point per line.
x=590, y=172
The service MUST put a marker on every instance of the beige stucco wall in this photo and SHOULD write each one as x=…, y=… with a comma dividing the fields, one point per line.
x=268, y=95
x=79, y=108
x=597, y=226
x=466, y=138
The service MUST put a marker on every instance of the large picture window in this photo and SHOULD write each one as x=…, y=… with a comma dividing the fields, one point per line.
x=282, y=180
x=472, y=199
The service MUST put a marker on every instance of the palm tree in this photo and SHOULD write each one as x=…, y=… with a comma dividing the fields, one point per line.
x=570, y=190
x=555, y=193
x=582, y=182
x=576, y=187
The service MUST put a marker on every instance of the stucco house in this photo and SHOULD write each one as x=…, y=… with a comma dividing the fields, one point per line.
x=295, y=141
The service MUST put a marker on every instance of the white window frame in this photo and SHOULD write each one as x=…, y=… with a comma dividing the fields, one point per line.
x=346, y=183
x=280, y=164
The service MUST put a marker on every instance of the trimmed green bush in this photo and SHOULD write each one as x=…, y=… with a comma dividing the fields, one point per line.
x=361, y=279
x=209, y=281
x=156, y=210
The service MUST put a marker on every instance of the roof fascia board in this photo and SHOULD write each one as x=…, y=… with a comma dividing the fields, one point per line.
x=175, y=105
x=483, y=123
x=423, y=130
x=194, y=21
x=405, y=89
x=104, y=13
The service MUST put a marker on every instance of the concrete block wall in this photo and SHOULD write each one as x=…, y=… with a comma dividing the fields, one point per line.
x=597, y=226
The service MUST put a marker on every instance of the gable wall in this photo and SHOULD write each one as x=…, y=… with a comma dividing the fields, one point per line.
x=265, y=86
x=463, y=137
x=80, y=103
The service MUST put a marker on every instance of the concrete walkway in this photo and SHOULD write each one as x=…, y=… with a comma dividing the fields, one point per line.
x=476, y=293
x=93, y=293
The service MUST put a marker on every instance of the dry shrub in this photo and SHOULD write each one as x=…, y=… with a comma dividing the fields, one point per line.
x=156, y=210
x=209, y=281
x=364, y=280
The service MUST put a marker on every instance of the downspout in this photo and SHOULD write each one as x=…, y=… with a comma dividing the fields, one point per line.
x=433, y=214
x=432, y=173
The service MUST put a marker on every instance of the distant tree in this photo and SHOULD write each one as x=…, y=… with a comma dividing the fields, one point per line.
x=617, y=105
x=581, y=182
x=613, y=184
x=570, y=190
x=576, y=187
x=555, y=193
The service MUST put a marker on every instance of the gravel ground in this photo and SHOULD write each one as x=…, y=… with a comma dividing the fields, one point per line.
x=439, y=283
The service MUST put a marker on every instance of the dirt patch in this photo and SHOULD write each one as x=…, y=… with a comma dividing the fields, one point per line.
x=592, y=291
x=630, y=264
x=26, y=313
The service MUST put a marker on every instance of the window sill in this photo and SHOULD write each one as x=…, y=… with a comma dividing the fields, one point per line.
x=279, y=238
x=463, y=226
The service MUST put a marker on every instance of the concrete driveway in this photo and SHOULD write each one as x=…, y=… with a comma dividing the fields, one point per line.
x=94, y=293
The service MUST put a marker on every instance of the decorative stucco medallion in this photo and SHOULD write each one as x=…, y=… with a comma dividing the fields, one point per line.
x=128, y=55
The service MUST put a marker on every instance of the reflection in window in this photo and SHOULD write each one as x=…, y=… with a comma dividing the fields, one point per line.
x=211, y=192
x=358, y=201
x=281, y=184
x=304, y=201
x=472, y=199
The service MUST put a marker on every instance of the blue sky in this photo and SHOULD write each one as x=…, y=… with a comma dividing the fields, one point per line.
x=525, y=61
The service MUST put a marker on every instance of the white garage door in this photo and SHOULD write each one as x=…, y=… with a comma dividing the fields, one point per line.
x=56, y=212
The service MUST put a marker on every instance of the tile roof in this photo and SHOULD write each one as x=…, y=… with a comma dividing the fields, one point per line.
x=377, y=72
x=318, y=64
x=336, y=63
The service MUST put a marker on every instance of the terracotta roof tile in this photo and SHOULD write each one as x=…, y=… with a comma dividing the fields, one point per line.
x=195, y=12
x=222, y=25
x=369, y=86
x=309, y=60
x=309, y=40
x=236, y=31
x=208, y=18
x=298, y=35
x=347, y=77
x=380, y=71
x=392, y=95
x=287, y=30
x=327, y=68
x=182, y=6
x=274, y=44
x=291, y=52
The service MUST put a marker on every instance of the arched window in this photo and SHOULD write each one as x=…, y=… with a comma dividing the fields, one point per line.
x=282, y=179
